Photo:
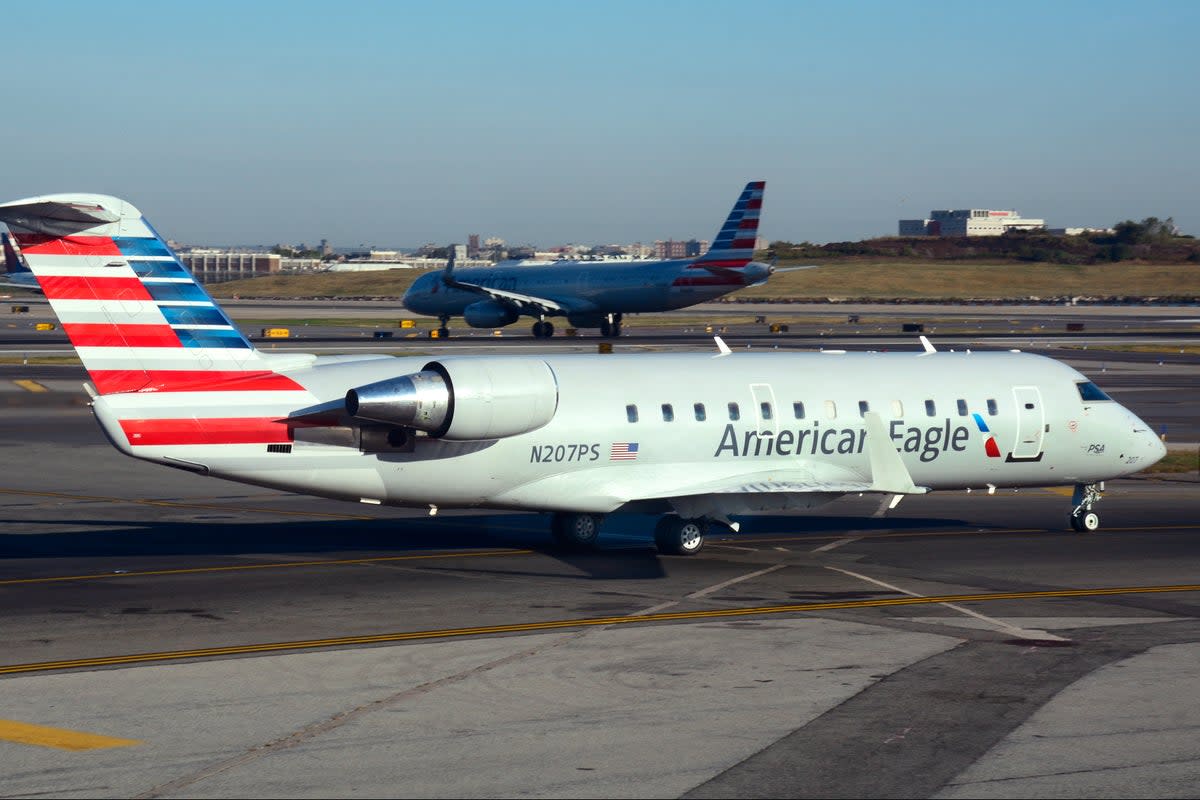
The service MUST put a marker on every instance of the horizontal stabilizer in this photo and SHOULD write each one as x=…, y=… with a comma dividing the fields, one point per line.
x=56, y=217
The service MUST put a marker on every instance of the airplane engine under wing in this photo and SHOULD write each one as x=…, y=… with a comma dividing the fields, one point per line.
x=463, y=399
x=489, y=314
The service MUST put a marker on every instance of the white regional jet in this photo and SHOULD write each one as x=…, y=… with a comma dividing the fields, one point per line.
x=594, y=294
x=693, y=436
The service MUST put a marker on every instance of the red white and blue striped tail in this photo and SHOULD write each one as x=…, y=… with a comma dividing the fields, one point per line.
x=138, y=320
x=734, y=246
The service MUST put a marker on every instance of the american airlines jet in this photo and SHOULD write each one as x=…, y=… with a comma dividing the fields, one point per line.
x=697, y=438
x=16, y=273
x=597, y=294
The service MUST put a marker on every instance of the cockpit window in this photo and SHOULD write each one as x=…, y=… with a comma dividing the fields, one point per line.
x=1090, y=392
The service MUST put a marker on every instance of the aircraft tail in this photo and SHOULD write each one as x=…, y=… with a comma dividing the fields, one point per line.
x=13, y=264
x=137, y=318
x=734, y=246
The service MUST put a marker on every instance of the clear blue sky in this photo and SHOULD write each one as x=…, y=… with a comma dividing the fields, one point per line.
x=552, y=122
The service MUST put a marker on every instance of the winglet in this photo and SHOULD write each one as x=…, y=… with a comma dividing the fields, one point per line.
x=722, y=347
x=888, y=473
x=929, y=348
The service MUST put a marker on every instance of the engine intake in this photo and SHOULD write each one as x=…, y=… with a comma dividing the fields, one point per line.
x=463, y=398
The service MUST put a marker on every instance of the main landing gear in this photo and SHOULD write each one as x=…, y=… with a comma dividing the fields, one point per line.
x=673, y=535
x=444, y=331
x=1083, y=518
x=543, y=329
x=611, y=327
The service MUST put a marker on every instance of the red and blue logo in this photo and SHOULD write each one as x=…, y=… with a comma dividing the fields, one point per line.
x=989, y=444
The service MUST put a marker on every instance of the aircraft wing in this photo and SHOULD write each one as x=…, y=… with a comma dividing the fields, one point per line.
x=524, y=303
x=886, y=474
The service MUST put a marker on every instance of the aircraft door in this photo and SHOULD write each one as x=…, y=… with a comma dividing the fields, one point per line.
x=766, y=412
x=1031, y=424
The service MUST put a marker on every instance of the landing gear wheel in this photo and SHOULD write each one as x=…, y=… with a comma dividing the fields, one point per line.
x=605, y=329
x=680, y=537
x=443, y=333
x=543, y=329
x=577, y=531
x=1083, y=516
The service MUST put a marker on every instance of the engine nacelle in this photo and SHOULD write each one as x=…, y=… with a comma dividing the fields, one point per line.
x=463, y=398
x=489, y=314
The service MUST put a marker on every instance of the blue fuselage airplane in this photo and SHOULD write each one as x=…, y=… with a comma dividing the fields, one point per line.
x=592, y=294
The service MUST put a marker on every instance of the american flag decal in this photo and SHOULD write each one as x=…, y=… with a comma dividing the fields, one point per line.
x=623, y=451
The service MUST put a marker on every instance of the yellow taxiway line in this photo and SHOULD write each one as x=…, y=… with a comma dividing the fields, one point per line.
x=58, y=738
x=274, y=565
x=525, y=627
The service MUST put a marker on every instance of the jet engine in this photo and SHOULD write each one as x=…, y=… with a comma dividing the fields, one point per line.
x=463, y=399
x=489, y=314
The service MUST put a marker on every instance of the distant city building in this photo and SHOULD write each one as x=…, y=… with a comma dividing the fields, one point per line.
x=472, y=245
x=969, y=222
x=674, y=249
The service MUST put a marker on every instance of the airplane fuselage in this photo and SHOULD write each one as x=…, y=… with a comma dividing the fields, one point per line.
x=694, y=421
x=585, y=287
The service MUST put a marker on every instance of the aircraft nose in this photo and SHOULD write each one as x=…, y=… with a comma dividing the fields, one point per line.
x=1154, y=445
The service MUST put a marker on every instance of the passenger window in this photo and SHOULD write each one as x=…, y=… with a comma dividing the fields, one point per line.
x=764, y=409
x=962, y=408
x=930, y=408
x=798, y=410
x=668, y=412
x=631, y=413
x=831, y=409
x=863, y=408
x=698, y=408
x=897, y=409
x=992, y=409
x=734, y=413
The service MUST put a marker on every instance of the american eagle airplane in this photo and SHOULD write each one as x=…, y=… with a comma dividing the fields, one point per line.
x=694, y=436
x=594, y=294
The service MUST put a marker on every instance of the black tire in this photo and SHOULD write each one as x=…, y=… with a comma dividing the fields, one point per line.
x=575, y=530
x=605, y=329
x=443, y=333
x=680, y=537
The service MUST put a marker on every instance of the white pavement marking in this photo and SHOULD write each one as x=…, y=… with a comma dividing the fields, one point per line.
x=825, y=548
x=1013, y=630
x=716, y=587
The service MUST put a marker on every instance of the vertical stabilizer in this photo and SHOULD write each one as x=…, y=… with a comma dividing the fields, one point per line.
x=137, y=318
x=734, y=245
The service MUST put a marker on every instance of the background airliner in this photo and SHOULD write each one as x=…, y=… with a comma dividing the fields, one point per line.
x=694, y=437
x=16, y=273
x=597, y=294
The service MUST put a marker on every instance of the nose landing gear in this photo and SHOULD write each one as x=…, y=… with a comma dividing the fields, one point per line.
x=1083, y=518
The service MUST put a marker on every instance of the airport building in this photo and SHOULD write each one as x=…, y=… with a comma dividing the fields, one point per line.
x=218, y=266
x=969, y=222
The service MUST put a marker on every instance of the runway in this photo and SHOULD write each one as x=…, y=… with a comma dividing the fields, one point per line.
x=168, y=635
